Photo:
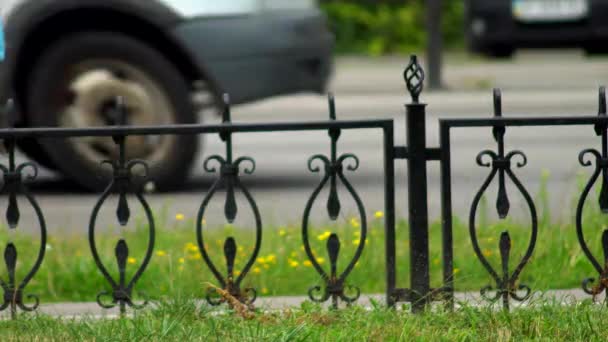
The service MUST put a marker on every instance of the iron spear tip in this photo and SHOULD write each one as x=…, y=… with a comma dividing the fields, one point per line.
x=414, y=78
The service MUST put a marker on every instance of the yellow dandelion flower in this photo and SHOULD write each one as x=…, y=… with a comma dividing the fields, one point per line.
x=161, y=253
x=356, y=242
x=320, y=260
x=324, y=236
x=180, y=217
x=257, y=270
x=456, y=270
x=282, y=232
x=237, y=273
x=194, y=257
x=307, y=263
x=261, y=260
x=264, y=290
x=486, y=252
x=355, y=222
x=181, y=260
x=379, y=214
x=294, y=264
x=193, y=249
x=131, y=260
x=436, y=261
x=241, y=249
x=271, y=258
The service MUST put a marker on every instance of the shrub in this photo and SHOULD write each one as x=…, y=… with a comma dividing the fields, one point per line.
x=389, y=26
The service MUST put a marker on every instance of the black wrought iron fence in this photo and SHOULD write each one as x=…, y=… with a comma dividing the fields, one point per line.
x=334, y=169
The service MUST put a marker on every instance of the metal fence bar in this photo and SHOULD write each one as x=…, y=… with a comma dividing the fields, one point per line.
x=389, y=218
x=524, y=121
x=446, y=216
x=417, y=188
x=194, y=129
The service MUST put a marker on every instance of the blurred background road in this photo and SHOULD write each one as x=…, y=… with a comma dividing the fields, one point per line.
x=540, y=84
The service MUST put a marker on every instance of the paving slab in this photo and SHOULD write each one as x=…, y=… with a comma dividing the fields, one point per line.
x=92, y=310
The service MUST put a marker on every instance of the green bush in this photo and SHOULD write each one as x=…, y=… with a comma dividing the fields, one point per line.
x=389, y=26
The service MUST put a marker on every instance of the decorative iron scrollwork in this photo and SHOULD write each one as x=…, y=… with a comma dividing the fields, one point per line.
x=122, y=184
x=229, y=178
x=335, y=285
x=506, y=284
x=14, y=185
x=601, y=169
x=414, y=78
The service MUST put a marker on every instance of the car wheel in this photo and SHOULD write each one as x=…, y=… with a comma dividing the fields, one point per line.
x=74, y=84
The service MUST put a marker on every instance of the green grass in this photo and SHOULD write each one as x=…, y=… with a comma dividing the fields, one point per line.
x=68, y=272
x=181, y=320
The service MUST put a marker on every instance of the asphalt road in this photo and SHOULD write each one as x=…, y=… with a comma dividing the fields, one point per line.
x=564, y=83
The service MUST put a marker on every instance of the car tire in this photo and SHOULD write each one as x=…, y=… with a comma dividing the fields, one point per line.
x=50, y=91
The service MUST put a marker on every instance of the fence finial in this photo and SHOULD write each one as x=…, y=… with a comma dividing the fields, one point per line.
x=226, y=116
x=497, y=102
x=120, y=111
x=601, y=128
x=602, y=106
x=414, y=78
x=9, y=112
x=332, y=106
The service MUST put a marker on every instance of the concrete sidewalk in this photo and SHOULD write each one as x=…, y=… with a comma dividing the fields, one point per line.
x=277, y=303
x=538, y=70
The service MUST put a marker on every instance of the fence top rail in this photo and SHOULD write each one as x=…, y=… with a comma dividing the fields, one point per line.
x=523, y=121
x=55, y=132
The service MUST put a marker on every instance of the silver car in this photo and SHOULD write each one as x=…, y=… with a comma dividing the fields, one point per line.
x=170, y=59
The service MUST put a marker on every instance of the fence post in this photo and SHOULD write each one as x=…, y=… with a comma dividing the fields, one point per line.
x=417, y=187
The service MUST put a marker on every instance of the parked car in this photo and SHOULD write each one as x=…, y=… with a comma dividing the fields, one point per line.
x=499, y=27
x=67, y=59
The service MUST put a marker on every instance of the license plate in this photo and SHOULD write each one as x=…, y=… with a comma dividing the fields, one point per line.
x=550, y=10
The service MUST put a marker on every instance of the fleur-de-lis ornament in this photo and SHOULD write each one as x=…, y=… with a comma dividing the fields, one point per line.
x=335, y=284
x=230, y=179
x=500, y=163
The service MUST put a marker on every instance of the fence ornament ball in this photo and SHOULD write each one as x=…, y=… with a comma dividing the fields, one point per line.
x=414, y=78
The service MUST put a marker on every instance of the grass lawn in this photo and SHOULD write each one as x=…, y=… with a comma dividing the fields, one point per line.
x=183, y=321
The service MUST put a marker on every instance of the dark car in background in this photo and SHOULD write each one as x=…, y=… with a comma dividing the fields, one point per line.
x=499, y=27
x=67, y=60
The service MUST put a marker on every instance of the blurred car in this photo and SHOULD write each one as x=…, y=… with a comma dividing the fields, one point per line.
x=170, y=59
x=499, y=27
